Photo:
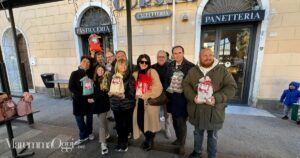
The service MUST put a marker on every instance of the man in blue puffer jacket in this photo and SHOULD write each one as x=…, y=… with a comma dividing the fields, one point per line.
x=289, y=97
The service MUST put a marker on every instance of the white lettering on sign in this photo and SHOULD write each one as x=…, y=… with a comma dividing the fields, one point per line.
x=153, y=14
x=233, y=17
x=90, y=30
x=144, y=3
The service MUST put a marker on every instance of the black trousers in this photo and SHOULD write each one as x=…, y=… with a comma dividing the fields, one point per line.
x=140, y=116
x=124, y=124
x=180, y=128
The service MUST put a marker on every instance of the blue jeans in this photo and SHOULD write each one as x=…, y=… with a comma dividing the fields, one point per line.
x=211, y=142
x=85, y=128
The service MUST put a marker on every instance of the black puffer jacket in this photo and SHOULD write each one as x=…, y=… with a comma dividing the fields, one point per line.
x=117, y=103
x=80, y=103
x=101, y=98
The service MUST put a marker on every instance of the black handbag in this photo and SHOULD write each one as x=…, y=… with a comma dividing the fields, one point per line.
x=158, y=101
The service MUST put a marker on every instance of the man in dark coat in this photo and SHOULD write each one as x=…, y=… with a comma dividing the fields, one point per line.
x=81, y=106
x=161, y=67
x=177, y=104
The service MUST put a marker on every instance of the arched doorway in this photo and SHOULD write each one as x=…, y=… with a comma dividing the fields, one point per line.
x=10, y=60
x=25, y=59
x=96, y=20
x=94, y=17
x=230, y=29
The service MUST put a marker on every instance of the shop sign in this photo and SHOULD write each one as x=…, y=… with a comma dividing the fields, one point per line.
x=153, y=14
x=90, y=30
x=120, y=4
x=235, y=17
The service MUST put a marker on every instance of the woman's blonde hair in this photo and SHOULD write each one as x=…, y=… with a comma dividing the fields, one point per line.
x=119, y=62
x=104, y=79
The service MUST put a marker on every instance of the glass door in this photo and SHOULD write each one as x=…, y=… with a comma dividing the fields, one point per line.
x=106, y=41
x=232, y=46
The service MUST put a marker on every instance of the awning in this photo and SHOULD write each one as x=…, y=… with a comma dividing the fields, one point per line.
x=23, y=3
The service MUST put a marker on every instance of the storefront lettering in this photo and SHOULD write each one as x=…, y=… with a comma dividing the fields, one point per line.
x=247, y=16
x=119, y=4
x=90, y=30
x=153, y=14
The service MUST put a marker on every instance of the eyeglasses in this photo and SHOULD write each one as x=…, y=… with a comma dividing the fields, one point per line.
x=144, y=62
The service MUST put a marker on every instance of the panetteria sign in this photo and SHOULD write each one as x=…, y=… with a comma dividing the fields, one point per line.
x=90, y=30
x=235, y=17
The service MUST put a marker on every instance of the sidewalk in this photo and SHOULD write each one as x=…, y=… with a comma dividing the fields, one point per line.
x=247, y=133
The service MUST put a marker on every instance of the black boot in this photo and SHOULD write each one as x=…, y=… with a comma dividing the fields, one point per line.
x=195, y=155
x=149, y=142
x=146, y=145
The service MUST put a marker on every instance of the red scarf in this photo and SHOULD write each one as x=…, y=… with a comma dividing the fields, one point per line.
x=145, y=81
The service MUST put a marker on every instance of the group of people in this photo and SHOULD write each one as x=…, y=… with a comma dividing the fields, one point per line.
x=104, y=83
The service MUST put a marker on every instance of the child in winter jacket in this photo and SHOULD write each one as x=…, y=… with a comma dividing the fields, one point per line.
x=101, y=104
x=289, y=97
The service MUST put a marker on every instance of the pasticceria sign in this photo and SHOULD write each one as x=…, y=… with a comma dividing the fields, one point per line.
x=120, y=4
x=90, y=30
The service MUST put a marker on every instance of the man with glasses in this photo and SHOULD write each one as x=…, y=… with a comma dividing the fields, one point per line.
x=110, y=57
x=161, y=67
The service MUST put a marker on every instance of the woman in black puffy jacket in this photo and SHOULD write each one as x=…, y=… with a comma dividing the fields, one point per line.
x=122, y=104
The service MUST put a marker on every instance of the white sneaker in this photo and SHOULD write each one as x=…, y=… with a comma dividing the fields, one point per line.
x=91, y=137
x=107, y=136
x=104, y=149
x=168, y=133
x=80, y=141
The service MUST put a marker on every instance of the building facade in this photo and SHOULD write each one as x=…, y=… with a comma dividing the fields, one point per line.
x=257, y=40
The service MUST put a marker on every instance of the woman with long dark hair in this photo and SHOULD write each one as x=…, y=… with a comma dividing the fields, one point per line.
x=145, y=116
x=101, y=104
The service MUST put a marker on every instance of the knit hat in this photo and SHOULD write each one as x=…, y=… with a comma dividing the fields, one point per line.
x=296, y=84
